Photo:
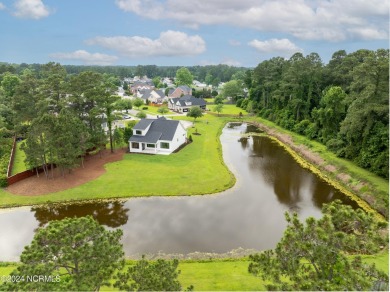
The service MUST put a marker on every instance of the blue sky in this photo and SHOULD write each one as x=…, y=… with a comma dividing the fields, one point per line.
x=186, y=33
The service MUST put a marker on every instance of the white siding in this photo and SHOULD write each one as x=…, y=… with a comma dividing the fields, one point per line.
x=178, y=139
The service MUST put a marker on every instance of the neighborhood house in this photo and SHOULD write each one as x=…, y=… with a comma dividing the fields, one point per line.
x=157, y=136
x=152, y=95
x=180, y=91
x=183, y=104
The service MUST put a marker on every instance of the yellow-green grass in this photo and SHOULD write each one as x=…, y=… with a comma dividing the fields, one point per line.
x=196, y=169
x=224, y=274
x=228, y=109
x=219, y=276
x=209, y=100
x=153, y=110
x=381, y=261
x=19, y=158
x=5, y=270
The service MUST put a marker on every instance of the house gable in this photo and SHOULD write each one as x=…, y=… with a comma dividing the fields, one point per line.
x=157, y=135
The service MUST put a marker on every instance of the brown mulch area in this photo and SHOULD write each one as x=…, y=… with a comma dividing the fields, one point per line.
x=93, y=168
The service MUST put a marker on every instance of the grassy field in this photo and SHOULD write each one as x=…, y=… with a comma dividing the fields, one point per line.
x=196, y=169
x=19, y=165
x=228, y=109
x=219, y=276
x=209, y=100
x=225, y=275
x=153, y=110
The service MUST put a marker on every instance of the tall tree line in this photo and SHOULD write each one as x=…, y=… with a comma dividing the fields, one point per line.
x=60, y=115
x=210, y=74
x=344, y=104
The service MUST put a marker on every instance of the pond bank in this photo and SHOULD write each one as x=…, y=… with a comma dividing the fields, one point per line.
x=326, y=170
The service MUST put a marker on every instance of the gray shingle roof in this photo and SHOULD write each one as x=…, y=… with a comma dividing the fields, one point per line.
x=143, y=124
x=150, y=137
x=184, y=88
x=160, y=93
x=189, y=98
x=160, y=129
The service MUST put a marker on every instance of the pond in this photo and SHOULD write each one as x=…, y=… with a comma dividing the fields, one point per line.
x=250, y=215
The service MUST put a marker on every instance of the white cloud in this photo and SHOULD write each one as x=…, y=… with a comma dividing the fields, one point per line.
x=231, y=62
x=331, y=20
x=2, y=6
x=34, y=9
x=283, y=46
x=170, y=43
x=368, y=33
x=86, y=57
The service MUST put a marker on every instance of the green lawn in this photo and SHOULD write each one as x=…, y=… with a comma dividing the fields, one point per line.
x=225, y=274
x=153, y=110
x=228, y=109
x=381, y=261
x=196, y=169
x=19, y=165
x=209, y=100
x=219, y=276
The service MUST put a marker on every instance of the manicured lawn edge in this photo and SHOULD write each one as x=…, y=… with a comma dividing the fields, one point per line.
x=373, y=184
x=81, y=193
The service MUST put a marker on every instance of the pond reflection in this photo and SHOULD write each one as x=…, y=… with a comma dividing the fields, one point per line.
x=250, y=215
x=111, y=213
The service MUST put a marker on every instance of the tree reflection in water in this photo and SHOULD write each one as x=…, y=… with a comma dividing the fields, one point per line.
x=111, y=214
x=291, y=183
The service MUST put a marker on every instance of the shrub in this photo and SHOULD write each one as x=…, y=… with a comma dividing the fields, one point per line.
x=244, y=103
x=301, y=127
x=335, y=145
x=145, y=108
x=239, y=102
x=311, y=131
x=3, y=181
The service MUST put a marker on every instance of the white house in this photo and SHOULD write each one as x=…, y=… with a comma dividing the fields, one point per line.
x=156, y=96
x=157, y=136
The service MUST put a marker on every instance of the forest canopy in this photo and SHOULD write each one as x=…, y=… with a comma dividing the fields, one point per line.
x=344, y=104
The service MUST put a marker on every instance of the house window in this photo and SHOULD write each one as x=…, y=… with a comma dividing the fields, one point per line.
x=151, y=145
x=135, y=145
x=164, y=145
x=138, y=132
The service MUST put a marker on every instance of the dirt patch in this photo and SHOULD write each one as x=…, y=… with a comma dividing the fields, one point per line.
x=331, y=168
x=344, y=177
x=359, y=186
x=308, y=154
x=93, y=168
